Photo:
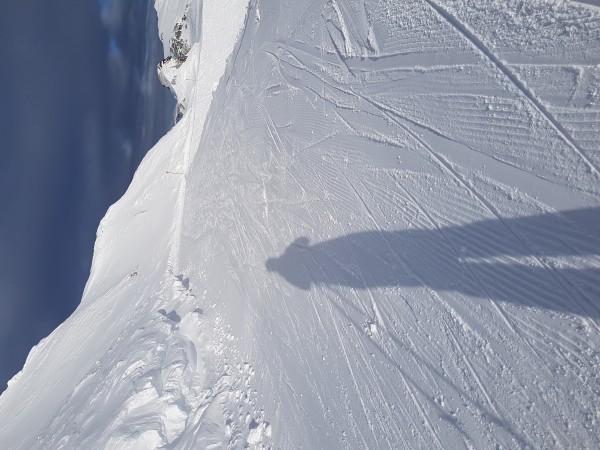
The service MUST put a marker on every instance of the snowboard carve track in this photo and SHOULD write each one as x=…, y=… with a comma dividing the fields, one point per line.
x=445, y=165
x=484, y=50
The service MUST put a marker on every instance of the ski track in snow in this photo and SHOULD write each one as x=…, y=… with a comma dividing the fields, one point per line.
x=379, y=229
x=485, y=335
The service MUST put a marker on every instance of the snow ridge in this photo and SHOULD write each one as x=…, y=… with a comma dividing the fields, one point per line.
x=141, y=363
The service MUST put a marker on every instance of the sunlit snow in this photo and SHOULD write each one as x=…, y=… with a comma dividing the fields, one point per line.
x=375, y=225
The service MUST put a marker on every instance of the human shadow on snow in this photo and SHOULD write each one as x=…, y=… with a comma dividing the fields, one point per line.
x=514, y=260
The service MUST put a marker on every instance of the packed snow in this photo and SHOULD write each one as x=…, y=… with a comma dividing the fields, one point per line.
x=376, y=224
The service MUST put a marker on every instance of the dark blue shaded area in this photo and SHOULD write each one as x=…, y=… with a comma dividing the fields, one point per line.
x=80, y=106
x=461, y=259
x=112, y=46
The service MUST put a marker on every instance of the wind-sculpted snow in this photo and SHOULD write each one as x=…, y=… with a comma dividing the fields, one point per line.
x=378, y=226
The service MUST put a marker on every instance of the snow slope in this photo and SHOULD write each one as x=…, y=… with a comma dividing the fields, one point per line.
x=377, y=226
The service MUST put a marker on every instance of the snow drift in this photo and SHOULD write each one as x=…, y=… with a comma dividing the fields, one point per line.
x=375, y=225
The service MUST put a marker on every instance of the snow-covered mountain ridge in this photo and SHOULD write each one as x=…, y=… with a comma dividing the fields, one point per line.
x=376, y=224
x=126, y=327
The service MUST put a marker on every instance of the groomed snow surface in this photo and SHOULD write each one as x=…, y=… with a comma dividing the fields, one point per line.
x=376, y=225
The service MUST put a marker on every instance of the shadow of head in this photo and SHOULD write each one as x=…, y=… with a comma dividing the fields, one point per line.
x=289, y=264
